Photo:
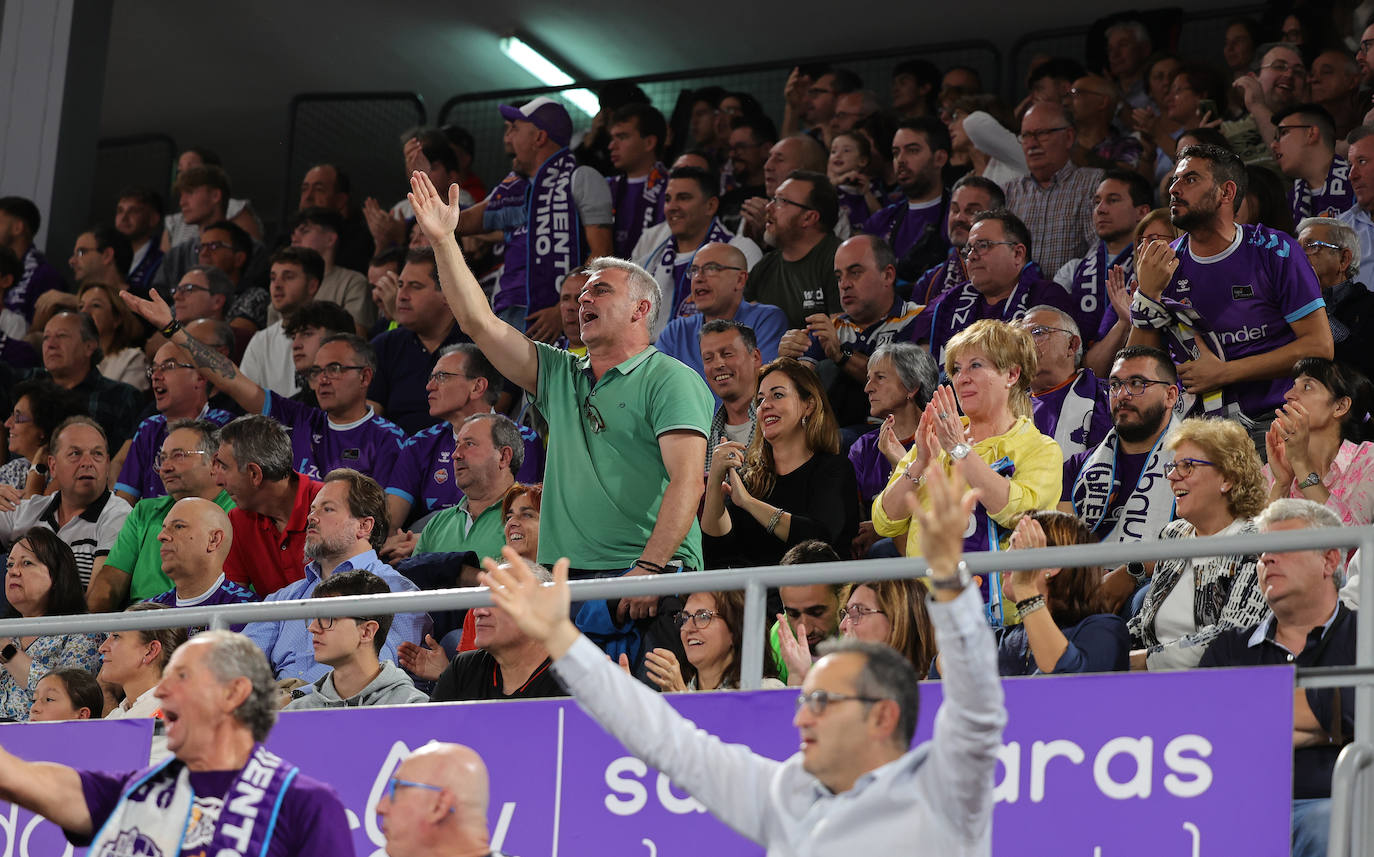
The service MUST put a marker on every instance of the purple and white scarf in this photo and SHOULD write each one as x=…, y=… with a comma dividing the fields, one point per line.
x=1070, y=423
x=154, y=813
x=665, y=261
x=963, y=305
x=1149, y=503
x=555, y=231
x=1182, y=327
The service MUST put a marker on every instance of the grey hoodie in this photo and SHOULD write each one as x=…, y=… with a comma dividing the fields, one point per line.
x=391, y=687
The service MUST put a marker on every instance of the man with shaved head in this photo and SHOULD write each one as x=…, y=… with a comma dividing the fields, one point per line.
x=195, y=539
x=718, y=275
x=435, y=805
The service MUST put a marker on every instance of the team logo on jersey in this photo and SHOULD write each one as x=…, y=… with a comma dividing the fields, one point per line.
x=441, y=475
x=350, y=455
x=1242, y=293
x=443, y=458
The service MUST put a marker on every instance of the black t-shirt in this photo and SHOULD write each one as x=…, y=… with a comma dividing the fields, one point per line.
x=476, y=675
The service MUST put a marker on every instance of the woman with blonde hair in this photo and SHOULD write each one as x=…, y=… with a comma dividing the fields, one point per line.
x=994, y=447
x=119, y=330
x=1218, y=488
x=789, y=485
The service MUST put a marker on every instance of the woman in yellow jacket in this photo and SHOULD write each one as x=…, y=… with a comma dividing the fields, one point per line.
x=994, y=447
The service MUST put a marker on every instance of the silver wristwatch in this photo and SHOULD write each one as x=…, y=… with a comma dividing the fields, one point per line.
x=1311, y=480
x=958, y=583
x=960, y=451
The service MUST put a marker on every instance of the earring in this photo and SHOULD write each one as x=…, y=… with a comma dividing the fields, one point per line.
x=803, y=421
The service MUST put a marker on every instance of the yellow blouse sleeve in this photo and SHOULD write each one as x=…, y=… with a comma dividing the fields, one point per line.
x=1038, y=480
x=882, y=524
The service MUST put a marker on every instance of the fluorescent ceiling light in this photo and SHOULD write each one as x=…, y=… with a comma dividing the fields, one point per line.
x=549, y=74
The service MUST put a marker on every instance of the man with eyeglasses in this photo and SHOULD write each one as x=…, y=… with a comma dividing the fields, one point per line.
x=798, y=275
x=1305, y=148
x=179, y=393
x=915, y=225
x=639, y=135
x=227, y=247
x=1099, y=141
x=855, y=786
x=407, y=353
x=1068, y=401
x=193, y=542
x=135, y=569
x=351, y=646
x=1236, y=305
x=83, y=511
x=1333, y=250
x=1055, y=199
x=222, y=793
x=101, y=255
x=667, y=250
x=295, y=278
x=719, y=274
x=435, y=804
x=1278, y=83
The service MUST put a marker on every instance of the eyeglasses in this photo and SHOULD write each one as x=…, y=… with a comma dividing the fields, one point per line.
x=215, y=246
x=395, y=782
x=817, y=701
x=1077, y=91
x=1185, y=467
x=855, y=613
x=1283, y=67
x=700, y=619
x=186, y=289
x=438, y=377
x=778, y=200
x=982, y=246
x=80, y=252
x=1311, y=247
x=710, y=269
x=332, y=371
x=1040, y=136
x=1040, y=331
x=327, y=622
x=19, y=419
x=594, y=420
x=166, y=367
x=1133, y=386
x=176, y=456
x=1280, y=130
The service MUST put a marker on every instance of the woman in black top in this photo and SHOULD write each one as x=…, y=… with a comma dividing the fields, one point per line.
x=789, y=485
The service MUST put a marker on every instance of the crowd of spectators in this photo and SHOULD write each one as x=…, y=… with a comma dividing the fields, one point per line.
x=1135, y=305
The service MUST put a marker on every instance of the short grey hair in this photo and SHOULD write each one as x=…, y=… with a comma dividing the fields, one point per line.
x=915, y=368
x=1313, y=514
x=643, y=287
x=504, y=433
x=1065, y=321
x=1341, y=235
x=232, y=656
x=217, y=281
x=886, y=674
x=207, y=431
x=260, y=440
x=1135, y=28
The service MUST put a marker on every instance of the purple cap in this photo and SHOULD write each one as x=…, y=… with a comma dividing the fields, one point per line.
x=545, y=114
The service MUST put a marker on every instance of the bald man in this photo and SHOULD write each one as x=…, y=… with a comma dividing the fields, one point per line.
x=435, y=805
x=718, y=275
x=194, y=543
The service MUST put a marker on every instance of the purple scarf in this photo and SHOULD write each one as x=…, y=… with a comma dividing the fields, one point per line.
x=666, y=254
x=963, y=305
x=555, y=231
x=1089, y=286
x=512, y=192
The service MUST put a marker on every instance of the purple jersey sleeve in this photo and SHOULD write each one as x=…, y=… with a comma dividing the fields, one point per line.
x=407, y=474
x=101, y=790
x=138, y=477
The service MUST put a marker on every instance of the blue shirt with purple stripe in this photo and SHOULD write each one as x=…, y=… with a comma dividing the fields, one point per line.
x=139, y=477
x=423, y=475
x=369, y=445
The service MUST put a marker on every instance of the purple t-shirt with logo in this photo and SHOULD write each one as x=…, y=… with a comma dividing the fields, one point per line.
x=139, y=476
x=1248, y=295
x=423, y=474
x=311, y=822
x=913, y=222
x=370, y=445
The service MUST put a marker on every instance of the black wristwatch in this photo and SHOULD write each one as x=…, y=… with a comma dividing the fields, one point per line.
x=1136, y=570
x=8, y=652
x=846, y=352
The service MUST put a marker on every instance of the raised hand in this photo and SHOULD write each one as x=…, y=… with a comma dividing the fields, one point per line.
x=1028, y=535
x=1154, y=268
x=795, y=651
x=1118, y=293
x=427, y=661
x=156, y=311
x=888, y=444
x=540, y=612
x=949, y=430
x=437, y=219
x=1276, y=445
x=662, y=668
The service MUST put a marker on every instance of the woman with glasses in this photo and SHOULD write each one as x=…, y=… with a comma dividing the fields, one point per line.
x=1218, y=488
x=1316, y=447
x=892, y=612
x=994, y=446
x=789, y=485
x=40, y=406
x=712, y=625
x=120, y=332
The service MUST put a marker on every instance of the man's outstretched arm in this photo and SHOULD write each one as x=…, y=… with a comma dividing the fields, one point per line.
x=50, y=790
x=509, y=350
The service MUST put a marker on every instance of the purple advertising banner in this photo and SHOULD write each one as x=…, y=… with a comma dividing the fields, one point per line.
x=115, y=745
x=1180, y=764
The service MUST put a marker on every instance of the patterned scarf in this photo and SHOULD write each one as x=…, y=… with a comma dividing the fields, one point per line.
x=555, y=231
x=963, y=306
x=1148, y=504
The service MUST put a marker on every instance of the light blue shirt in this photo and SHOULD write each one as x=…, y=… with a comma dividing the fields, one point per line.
x=288, y=644
x=1359, y=220
x=681, y=338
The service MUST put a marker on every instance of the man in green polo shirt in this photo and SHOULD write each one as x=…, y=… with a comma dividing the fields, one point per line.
x=488, y=452
x=133, y=569
x=627, y=424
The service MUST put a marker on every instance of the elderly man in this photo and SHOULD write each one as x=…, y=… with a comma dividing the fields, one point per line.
x=731, y=359
x=914, y=226
x=641, y=466
x=830, y=797
x=866, y=269
x=193, y=544
x=969, y=196
x=83, y=512
x=1068, y=402
x=406, y=354
x=346, y=525
x=1334, y=83
x=798, y=276
x=1098, y=143
x=1055, y=200
x=435, y=804
x=1128, y=48
x=1235, y=304
x=223, y=792
x=1333, y=250
x=488, y=452
x=134, y=570
x=1308, y=626
x=351, y=646
x=718, y=275
x=272, y=502
x=463, y=384
x=667, y=251
x=1305, y=149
